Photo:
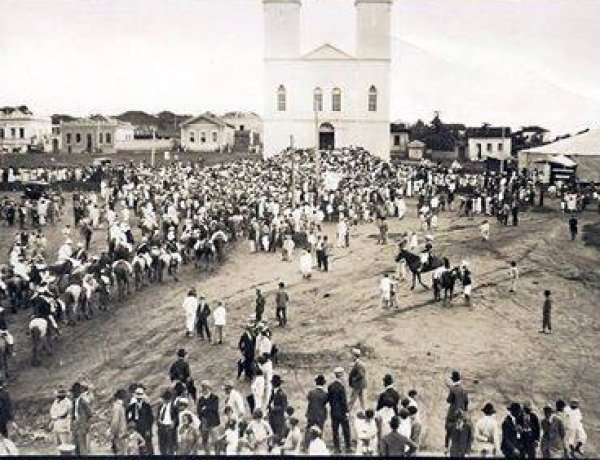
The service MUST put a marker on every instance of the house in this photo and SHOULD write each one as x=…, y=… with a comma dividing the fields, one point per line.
x=399, y=138
x=21, y=131
x=327, y=96
x=95, y=134
x=488, y=141
x=248, y=130
x=207, y=133
x=534, y=134
x=416, y=150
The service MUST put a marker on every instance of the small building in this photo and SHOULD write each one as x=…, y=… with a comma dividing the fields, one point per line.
x=248, y=130
x=21, y=131
x=534, y=134
x=96, y=134
x=486, y=141
x=207, y=133
x=399, y=139
x=416, y=150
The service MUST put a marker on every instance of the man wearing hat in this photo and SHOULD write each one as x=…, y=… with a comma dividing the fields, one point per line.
x=576, y=435
x=338, y=405
x=316, y=411
x=530, y=431
x=208, y=413
x=166, y=422
x=60, y=416
x=511, y=432
x=461, y=436
x=457, y=399
x=202, y=314
x=277, y=405
x=247, y=345
x=357, y=380
x=140, y=412
x=487, y=433
x=81, y=419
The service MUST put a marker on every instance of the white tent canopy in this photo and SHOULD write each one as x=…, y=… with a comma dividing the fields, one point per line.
x=586, y=144
x=563, y=161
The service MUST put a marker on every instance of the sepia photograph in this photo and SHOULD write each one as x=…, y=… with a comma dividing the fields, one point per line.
x=300, y=228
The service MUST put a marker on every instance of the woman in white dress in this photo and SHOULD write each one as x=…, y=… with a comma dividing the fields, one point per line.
x=306, y=264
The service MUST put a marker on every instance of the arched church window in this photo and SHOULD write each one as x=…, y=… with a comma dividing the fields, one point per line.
x=372, y=99
x=281, y=98
x=318, y=99
x=336, y=100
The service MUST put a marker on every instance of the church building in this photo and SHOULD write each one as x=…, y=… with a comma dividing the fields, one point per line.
x=327, y=96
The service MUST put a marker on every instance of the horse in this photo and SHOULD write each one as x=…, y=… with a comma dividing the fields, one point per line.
x=447, y=283
x=76, y=302
x=416, y=265
x=171, y=260
x=157, y=265
x=140, y=269
x=38, y=340
x=204, y=249
x=16, y=289
x=122, y=271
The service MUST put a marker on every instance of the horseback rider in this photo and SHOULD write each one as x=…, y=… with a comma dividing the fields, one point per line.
x=80, y=254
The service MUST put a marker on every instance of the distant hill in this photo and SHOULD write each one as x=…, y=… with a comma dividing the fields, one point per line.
x=165, y=122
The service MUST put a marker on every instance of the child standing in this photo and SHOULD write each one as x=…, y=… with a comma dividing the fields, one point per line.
x=513, y=274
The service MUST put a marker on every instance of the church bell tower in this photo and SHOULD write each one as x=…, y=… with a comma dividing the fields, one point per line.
x=373, y=38
x=282, y=29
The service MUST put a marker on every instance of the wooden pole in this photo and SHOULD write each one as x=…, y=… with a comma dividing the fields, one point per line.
x=293, y=178
x=317, y=154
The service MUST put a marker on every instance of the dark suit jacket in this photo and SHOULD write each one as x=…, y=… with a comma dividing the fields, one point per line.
x=388, y=398
x=338, y=402
x=82, y=415
x=208, y=410
x=6, y=410
x=143, y=417
x=246, y=345
x=316, y=410
x=180, y=370
x=509, y=437
x=277, y=407
x=458, y=400
x=174, y=414
x=531, y=430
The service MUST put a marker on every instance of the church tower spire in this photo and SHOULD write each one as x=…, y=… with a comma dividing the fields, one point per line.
x=373, y=38
x=282, y=29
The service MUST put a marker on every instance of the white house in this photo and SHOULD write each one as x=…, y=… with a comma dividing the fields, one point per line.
x=96, y=134
x=488, y=141
x=207, y=133
x=21, y=130
x=248, y=129
x=327, y=95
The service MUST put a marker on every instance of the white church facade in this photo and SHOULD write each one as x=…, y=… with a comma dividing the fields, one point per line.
x=327, y=96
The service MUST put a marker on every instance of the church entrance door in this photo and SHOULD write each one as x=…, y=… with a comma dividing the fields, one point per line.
x=326, y=136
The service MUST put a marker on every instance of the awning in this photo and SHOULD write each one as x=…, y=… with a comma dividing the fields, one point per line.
x=562, y=160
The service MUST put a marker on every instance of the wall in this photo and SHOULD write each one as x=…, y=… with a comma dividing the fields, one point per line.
x=84, y=130
x=145, y=144
x=354, y=124
x=223, y=141
x=472, y=147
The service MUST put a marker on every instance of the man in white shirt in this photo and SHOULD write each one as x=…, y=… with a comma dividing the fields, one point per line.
x=385, y=287
x=65, y=251
x=190, y=307
x=234, y=400
x=220, y=319
x=60, y=414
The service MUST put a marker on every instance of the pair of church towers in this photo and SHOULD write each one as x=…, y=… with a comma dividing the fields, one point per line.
x=348, y=95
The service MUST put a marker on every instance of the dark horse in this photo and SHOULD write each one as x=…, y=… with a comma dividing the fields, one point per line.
x=416, y=266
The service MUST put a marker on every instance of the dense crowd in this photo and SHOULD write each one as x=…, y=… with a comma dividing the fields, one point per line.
x=161, y=218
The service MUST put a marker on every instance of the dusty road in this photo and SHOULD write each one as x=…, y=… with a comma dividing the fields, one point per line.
x=495, y=344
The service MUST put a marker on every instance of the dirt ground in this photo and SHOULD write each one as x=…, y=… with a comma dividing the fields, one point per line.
x=495, y=343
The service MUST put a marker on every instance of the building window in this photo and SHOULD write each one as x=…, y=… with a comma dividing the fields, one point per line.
x=203, y=137
x=192, y=137
x=1, y=133
x=78, y=138
x=21, y=133
x=500, y=147
x=489, y=147
x=318, y=100
x=214, y=136
x=397, y=139
x=108, y=138
x=372, y=99
x=281, y=98
x=68, y=138
x=101, y=138
x=13, y=132
x=336, y=100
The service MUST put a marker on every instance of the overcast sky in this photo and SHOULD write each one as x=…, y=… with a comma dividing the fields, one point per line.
x=498, y=61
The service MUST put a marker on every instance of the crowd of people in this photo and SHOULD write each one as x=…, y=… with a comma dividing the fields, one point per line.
x=161, y=218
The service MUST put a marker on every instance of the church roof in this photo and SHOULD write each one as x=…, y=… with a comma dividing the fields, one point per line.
x=326, y=52
x=207, y=117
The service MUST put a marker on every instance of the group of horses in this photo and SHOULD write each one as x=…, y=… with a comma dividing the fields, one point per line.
x=64, y=292
x=444, y=285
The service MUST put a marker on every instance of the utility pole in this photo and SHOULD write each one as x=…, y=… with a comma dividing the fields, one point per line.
x=317, y=154
x=293, y=178
x=501, y=156
x=153, y=149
